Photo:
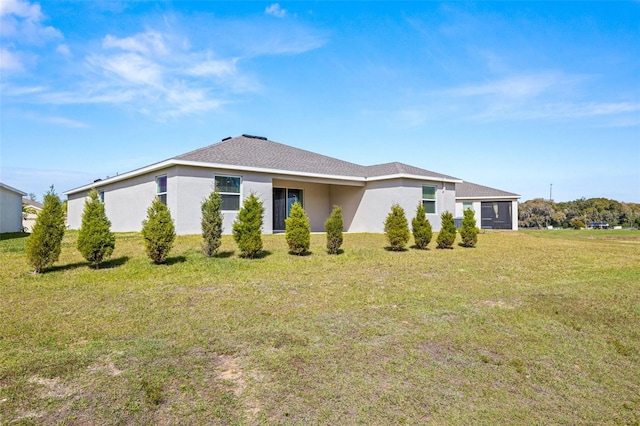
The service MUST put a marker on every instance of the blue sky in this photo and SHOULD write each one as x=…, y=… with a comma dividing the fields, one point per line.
x=512, y=95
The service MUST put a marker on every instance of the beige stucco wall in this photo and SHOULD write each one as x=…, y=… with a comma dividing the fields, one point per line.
x=10, y=211
x=380, y=195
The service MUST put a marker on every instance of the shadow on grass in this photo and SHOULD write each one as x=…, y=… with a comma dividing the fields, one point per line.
x=415, y=247
x=388, y=248
x=462, y=245
x=114, y=263
x=338, y=252
x=224, y=254
x=174, y=260
x=306, y=253
x=67, y=267
x=12, y=235
x=260, y=255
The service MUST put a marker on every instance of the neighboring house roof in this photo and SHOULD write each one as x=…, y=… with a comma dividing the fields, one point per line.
x=17, y=191
x=36, y=205
x=257, y=153
x=473, y=190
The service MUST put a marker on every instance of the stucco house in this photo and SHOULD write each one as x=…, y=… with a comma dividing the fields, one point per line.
x=279, y=175
x=33, y=209
x=10, y=209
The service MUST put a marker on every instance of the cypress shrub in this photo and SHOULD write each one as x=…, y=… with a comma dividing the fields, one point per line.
x=158, y=231
x=469, y=230
x=298, y=231
x=422, y=232
x=44, y=244
x=447, y=234
x=95, y=239
x=396, y=228
x=211, y=224
x=577, y=223
x=333, y=227
x=247, y=229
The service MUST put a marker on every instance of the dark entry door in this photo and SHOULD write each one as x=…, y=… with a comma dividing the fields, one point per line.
x=496, y=215
x=279, y=208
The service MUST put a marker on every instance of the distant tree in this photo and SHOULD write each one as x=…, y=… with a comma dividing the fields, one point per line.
x=211, y=224
x=298, y=231
x=247, y=229
x=577, y=223
x=333, y=226
x=95, y=239
x=447, y=234
x=422, y=232
x=158, y=231
x=32, y=197
x=44, y=244
x=469, y=229
x=396, y=228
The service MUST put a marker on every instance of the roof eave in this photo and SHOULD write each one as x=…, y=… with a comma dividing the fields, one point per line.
x=417, y=177
x=10, y=188
x=488, y=197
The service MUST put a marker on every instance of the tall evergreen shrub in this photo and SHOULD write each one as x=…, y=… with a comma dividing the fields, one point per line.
x=469, y=230
x=333, y=226
x=298, y=231
x=422, y=232
x=158, y=231
x=247, y=229
x=44, y=244
x=396, y=228
x=447, y=234
x=95, y=239
x=211, y=224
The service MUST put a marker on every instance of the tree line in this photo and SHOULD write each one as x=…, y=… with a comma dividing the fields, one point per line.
x=540, y=213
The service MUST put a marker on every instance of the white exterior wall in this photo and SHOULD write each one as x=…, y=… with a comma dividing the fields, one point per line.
x=378, y=197
x=477, y=208
x=193, y=186
x=10, y=210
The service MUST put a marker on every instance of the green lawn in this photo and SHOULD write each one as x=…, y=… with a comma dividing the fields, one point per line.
x=530, y=327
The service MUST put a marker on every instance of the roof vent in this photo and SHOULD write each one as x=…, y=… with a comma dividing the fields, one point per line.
x=225, y=139
x=254, y=137
x=97, y=180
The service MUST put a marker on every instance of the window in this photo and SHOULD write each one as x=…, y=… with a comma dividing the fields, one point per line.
x=229, y=189
x=467, y=206
x=429, y=198
x=101, y=196
x=161, y=188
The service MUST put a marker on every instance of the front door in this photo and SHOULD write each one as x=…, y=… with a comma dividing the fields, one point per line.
x=283, y=199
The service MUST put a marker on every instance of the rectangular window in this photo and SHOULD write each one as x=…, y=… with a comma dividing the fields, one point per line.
x=429, y=198
x=161, y=188
x=101, y=196
x=467, y=206
x=229, y=189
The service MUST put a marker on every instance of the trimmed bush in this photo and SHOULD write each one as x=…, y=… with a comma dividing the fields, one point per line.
x=44, y=244
x=247, y=229
x=447, y=234
x=469, y=229
x=211, y=224
x=422, y=232
x=396, y=228
x=298, y=231
x=158, y=231
x=95, y=239
x=333, y=226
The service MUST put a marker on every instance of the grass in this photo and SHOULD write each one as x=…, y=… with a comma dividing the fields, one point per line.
x=534, y=327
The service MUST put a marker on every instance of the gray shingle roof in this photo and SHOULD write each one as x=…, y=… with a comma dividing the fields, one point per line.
x=472, y=190
x=251, y=151
x=400, y=168
x=258, y=152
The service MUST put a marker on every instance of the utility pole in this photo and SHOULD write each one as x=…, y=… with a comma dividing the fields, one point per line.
x=551, y=192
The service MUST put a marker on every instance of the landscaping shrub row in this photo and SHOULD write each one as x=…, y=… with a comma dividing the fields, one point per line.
x=96, y=242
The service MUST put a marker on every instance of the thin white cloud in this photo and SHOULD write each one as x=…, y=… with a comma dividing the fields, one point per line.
x=23, y=21
x=149, y=42
x=128, y=68
x=214, y=68
x=65, y=122
x=9, y=61
x=64, y=50
x=275, y=10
